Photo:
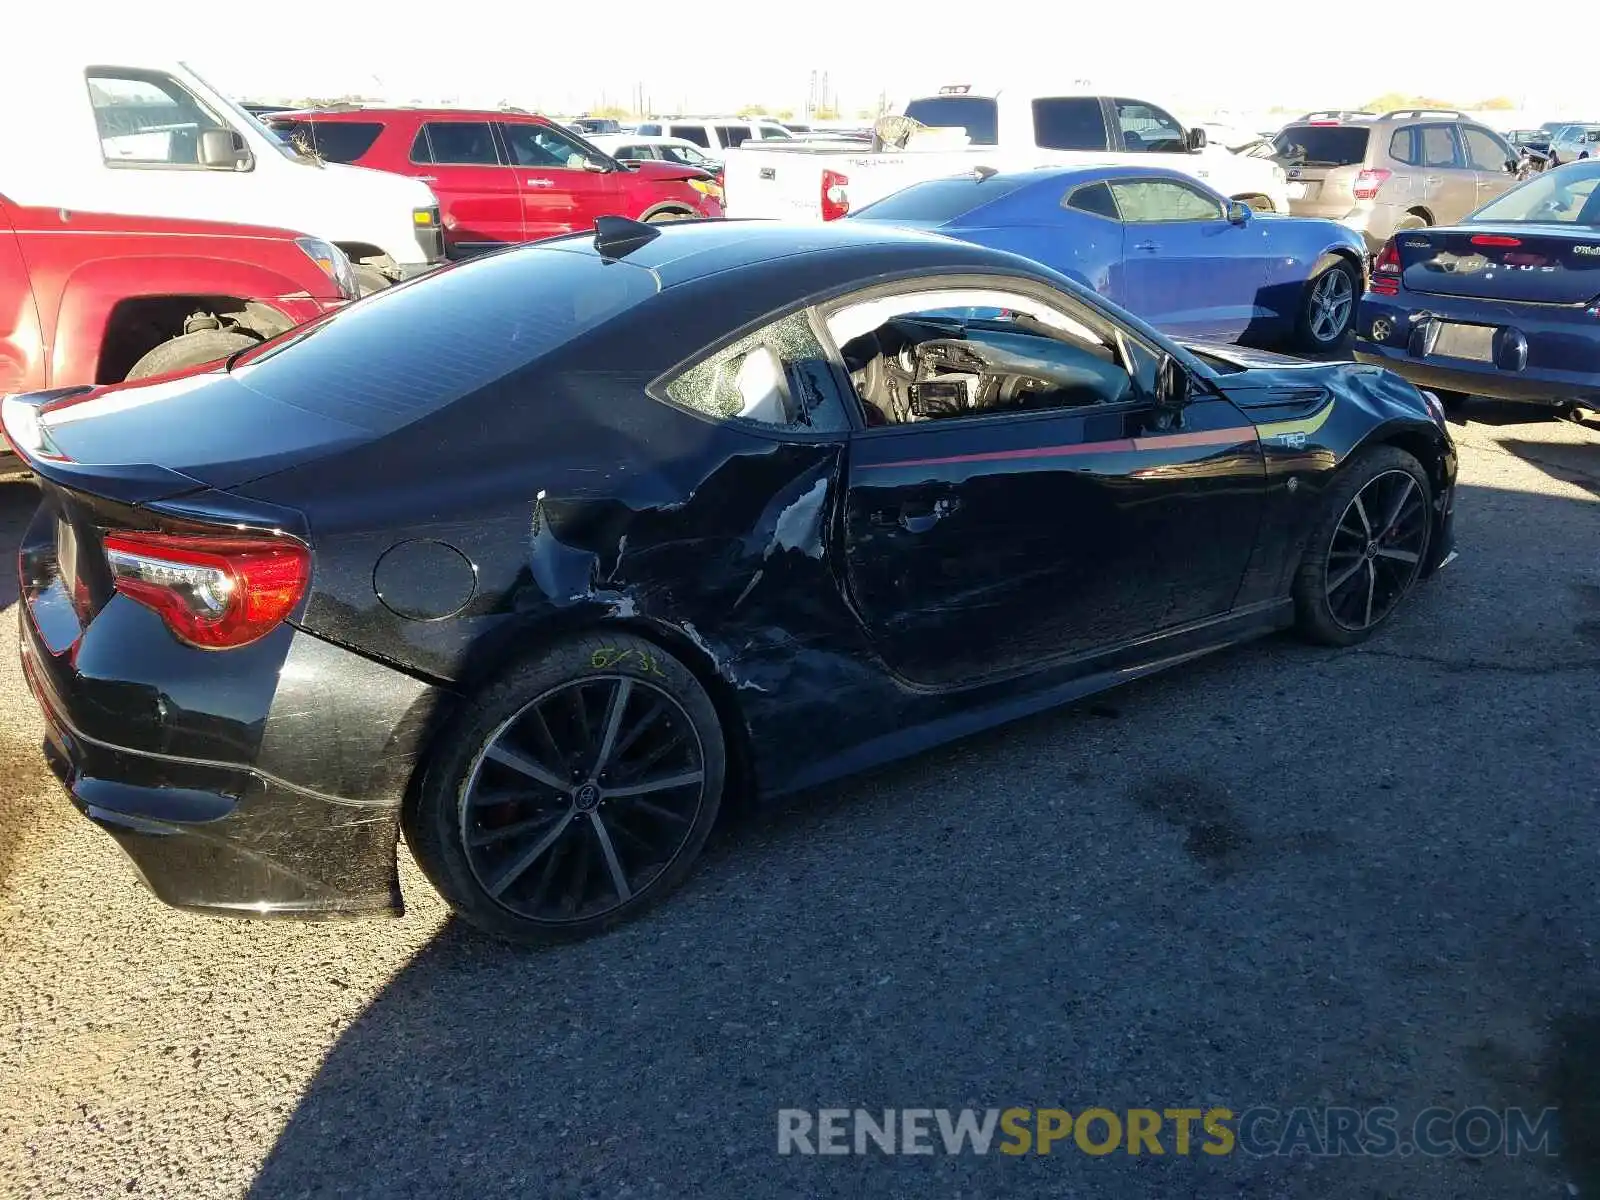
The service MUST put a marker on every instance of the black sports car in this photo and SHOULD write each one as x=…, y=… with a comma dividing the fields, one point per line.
x=540, y=558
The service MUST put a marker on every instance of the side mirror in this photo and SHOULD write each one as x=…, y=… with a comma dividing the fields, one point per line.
x=1238, y=212
x=595, y=165
x=1195, y=139
x=1174, y=387
x=224, y=150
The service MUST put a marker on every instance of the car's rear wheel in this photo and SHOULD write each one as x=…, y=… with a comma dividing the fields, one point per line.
x=1329, y=308
x=191, y=350
x=1368, y=549
x=573, y=794
x=1412, y=220
x=663, y=218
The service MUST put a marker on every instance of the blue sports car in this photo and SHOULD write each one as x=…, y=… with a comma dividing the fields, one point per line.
x=1505, y=304
x=1159, y=244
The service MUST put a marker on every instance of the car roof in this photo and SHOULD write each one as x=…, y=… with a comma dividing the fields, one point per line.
x=366, y=112
x=687, y=251
x=1076, y=173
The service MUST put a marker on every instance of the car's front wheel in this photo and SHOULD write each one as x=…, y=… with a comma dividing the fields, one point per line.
x=1328, y=309
x=574, y=793
x=1368, y=549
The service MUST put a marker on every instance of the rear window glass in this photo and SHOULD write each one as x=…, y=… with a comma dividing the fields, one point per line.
x=1322, y=145
x=975, y=114
x=401, y=354
x=343, y=141
x=939, y=199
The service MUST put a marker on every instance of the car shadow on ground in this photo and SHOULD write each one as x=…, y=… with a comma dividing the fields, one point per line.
x=1187, y=890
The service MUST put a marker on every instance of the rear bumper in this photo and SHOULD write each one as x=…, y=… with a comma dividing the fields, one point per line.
x=1552, y=335
x=306, y=829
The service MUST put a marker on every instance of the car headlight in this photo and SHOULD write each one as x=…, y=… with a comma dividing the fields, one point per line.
x=334, y=262
x=706, y=187
x=1435, y=406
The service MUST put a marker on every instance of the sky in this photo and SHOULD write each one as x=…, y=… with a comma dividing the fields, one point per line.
x=721, y=54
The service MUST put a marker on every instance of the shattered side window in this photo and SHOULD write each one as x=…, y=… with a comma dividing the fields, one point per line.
x=777, y=378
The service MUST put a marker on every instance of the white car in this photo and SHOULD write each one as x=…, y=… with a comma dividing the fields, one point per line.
x=715, y=134
x=959, y=129
x=154, y=139
x=635, y=147
x=1575, y=142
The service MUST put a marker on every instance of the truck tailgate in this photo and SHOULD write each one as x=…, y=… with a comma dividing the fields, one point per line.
x=787, y=185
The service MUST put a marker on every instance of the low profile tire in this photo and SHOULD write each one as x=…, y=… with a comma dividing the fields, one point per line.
x=370, y=279
x=191, y=350
x=1367, y=551
x=573, y=794
x=667, y=218
x=1328, y=308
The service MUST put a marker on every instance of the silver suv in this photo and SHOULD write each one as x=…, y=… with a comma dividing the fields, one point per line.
x=1401, y=170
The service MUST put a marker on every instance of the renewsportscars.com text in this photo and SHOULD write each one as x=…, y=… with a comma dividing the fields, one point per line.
x=1260, y=1131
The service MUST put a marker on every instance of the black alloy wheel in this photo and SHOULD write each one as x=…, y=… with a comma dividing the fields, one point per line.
x=1369, y=549
x=582, y=792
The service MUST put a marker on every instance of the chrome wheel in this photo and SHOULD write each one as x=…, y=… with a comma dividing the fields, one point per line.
x=1331, y=304
x=1376, y=550
x=582, y=799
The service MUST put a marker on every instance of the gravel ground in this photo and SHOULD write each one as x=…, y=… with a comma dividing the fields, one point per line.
x=1280, y=876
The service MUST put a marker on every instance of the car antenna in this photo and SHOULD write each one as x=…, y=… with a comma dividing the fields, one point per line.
x=618, y=237
x=984, y=173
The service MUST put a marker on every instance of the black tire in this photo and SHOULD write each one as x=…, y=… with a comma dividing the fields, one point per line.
x=370, y=279
x=1313, y=333
x=668, y=217
x=1323, y=562
x=466, y=825
x=191, y=350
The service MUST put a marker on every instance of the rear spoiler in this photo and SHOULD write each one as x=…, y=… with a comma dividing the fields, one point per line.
x=22, y=421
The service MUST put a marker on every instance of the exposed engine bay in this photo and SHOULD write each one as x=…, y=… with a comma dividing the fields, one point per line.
x=918, y=368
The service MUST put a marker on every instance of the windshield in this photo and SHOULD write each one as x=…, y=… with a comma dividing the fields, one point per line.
x=1321, y=145
x=1566, y=195
x=247, y=118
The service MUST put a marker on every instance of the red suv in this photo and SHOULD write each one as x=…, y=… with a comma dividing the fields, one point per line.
x=501, y=177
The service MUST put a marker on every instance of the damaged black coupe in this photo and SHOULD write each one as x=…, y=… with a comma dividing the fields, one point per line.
x=543, y=559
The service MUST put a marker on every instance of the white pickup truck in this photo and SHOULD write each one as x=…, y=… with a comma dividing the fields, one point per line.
x=957, y=129
x=141, y=138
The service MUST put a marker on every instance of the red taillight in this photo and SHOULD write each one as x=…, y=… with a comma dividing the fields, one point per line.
x=835, y=195
x=1368, y=182
x=213, y=592
x=1494, y=239
x=1386, y=271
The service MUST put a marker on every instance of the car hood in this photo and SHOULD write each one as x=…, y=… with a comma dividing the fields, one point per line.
x=1260, y=377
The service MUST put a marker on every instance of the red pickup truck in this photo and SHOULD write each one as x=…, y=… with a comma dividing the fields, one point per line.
x=501, y=177
x=97, y=298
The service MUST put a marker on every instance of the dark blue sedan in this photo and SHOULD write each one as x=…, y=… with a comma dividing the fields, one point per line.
x=1506, y=304
x=1159, y=244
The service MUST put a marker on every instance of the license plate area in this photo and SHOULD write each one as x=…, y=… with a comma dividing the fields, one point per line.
x=1473, y=342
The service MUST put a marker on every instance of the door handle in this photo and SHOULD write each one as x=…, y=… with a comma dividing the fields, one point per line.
x=1148, y=247
x=540, y=182
x=427, y=178
x=915, y=516
x=1433, y=179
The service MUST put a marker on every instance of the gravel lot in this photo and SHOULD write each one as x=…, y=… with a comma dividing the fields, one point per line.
x=1280, y=876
